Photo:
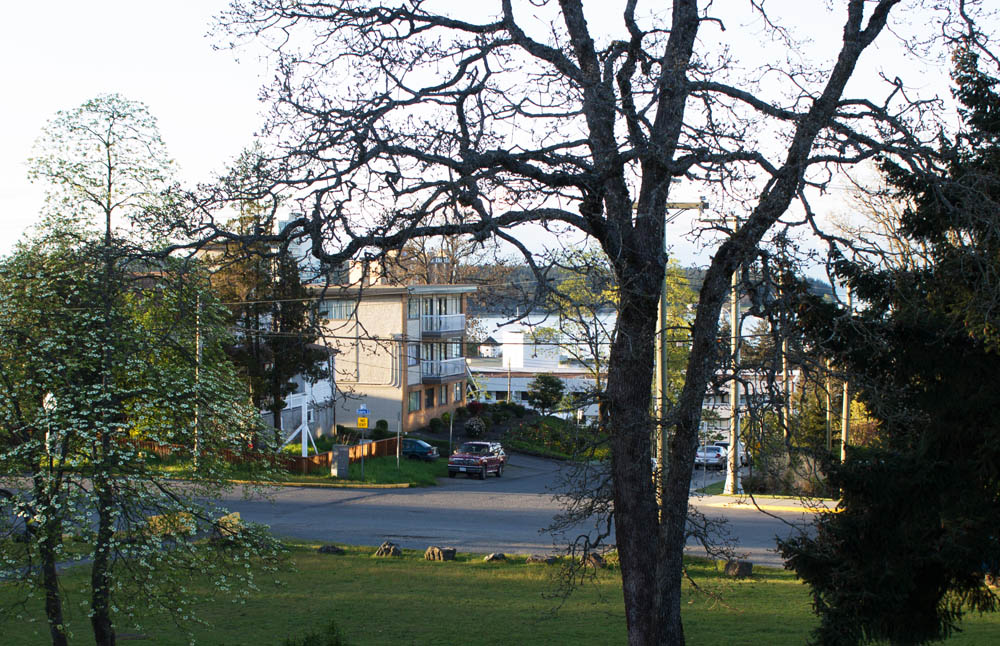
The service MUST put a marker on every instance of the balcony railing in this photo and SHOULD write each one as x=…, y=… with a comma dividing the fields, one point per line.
x=435, y=370
x=438, y=323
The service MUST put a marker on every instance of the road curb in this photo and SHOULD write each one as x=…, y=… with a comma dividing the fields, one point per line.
x=324, y=485
x=806, y=509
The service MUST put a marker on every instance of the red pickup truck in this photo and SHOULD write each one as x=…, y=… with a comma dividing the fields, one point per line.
x=477, y=459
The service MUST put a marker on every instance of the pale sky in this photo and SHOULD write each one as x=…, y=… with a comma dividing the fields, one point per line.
x=60, y=53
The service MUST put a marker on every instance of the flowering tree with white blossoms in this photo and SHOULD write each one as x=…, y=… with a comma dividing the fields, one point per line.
x=109, y=348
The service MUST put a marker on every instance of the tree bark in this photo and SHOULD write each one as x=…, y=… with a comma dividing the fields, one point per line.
x=51, y=532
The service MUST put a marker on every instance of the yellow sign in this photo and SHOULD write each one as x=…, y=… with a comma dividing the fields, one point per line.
x=362, y=422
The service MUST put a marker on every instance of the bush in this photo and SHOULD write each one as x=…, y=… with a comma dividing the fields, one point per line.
x=517, y=409
x=461, y=413
x=475, y=427
x=178, y=523
x=445, y=418
x=381, y=434
x=341, y=429
x=475, y=408
x=442, y=446
x=436, y=425
x=329, y=637
x=382, y=425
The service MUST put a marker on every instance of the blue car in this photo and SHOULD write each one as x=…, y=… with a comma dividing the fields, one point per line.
x=419, y=450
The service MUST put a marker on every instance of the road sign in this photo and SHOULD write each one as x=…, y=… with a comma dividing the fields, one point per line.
x=362, y=422
x=363, y=411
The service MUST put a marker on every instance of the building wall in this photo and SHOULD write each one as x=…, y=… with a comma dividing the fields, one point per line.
x=422, y=416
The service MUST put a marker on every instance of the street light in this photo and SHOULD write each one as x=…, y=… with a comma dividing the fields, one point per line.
x=662, y=447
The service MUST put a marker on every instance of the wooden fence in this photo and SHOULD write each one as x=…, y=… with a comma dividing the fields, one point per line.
x=291, y=463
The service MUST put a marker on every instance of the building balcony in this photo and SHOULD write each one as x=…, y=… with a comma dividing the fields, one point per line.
x=440, y=325
x=435, y=372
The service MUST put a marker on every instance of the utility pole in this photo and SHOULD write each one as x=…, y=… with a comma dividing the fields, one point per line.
x=786, y=404
x=662, y=377
x=829, y=411
x=845, y=417
x=733, y=484
x=197, y=380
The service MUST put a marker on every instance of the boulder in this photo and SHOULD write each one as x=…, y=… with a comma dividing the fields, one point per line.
x=537, y=558
x=388, y=549
x=435, y=553
x=329, y=549
x=495, y=556
x=739, y=569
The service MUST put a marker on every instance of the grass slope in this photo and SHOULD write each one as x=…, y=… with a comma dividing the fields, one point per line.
x=402, y=601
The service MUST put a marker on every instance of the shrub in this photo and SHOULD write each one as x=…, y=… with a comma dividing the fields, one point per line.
x=436, y=425
x=445, y=418
x=174, y=524
x=329, y=637
x=475, y=427
x=475, y=408
x=442, y=446
x=461, y=413
x=382, y=425
x=324, y=443
x=341, y=429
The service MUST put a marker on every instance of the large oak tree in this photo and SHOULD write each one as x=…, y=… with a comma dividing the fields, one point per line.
x=404, y=120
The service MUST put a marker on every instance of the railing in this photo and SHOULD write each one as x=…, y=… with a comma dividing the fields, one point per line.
x=443, y=368
x=442, y=323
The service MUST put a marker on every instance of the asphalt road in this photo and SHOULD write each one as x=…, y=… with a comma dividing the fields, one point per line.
x=507, y=514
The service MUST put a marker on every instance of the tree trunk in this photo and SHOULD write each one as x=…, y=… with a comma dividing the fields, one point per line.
x=100, y=574
x=626, y=407
x=51, y=534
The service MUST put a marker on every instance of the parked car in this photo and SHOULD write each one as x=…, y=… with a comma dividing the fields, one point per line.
x=710, y=456
x=419, y=450
x=477, y=459
x=743, y=459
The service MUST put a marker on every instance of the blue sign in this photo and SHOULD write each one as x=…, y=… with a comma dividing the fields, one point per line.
x=363, y=411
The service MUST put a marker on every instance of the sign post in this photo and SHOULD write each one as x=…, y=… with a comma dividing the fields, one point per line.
x=363, y=425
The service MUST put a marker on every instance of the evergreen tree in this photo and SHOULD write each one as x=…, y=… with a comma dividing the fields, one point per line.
x=272, y=316
x=919, y=527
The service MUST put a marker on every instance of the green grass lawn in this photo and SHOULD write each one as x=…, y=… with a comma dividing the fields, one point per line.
x=403, y=601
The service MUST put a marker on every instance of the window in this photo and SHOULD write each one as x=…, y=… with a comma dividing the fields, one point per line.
x=338, y=274
x=413, y=308
x=413, y=403
x=458, y=392
x=337, y=309
x=443, y=396
x=429, y=398
x=412, y=354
